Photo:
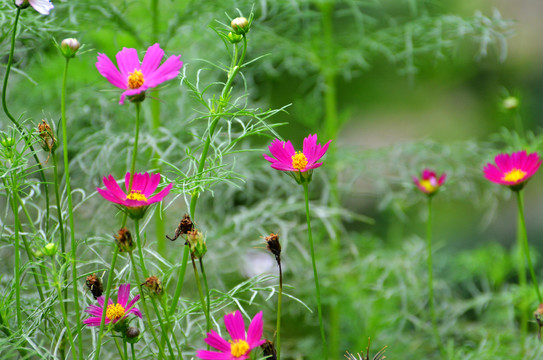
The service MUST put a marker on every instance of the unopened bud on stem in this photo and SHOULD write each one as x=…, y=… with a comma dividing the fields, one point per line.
x=69, y=47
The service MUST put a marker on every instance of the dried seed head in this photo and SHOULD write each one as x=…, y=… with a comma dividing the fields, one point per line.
x=185, y=225
x=197, y=244
x=124, y=241
x=94, y=284
x=272, y=242
x=268, y=350
x=48, y=141
x=154, y=285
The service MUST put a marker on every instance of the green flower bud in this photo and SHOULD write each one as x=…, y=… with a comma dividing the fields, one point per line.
x=8, y=142
x=69, y=47
x=510, y=103
x=132, y=334
x=234, y=38
x=240, y=25
x=197, y=244
x=50, y=249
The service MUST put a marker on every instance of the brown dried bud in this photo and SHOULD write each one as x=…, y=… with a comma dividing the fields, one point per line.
x=538, y=314
x=124, y=241
x=48, y=141
x=94, y=283
x=272, y=242
x=268, y=350
x=185, y=225
x=154, y=285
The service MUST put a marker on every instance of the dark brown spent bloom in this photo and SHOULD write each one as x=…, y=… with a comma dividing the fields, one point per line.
x=154, y=285
x=48, y=141
x=185, y=225
x=94, y=283
x=272, y=242
x=124, y=241
x=538, y=314
x=268, y=350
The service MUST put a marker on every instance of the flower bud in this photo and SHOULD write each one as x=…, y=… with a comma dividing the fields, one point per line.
x=240, y=25
x=50, y=249
x=273, y=245
x=132, y=334
x=510, y=103
x=69, y=47
x=234, y=38
x=48, y=141
x=154, y=285
x=124, y=241
x=94, y=284
x=8, y=142
x=22, y=4
x=197, y=244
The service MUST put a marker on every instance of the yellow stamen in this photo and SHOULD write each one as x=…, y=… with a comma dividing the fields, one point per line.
x=299, y=161
x=136, y=195
x=114, y=312
x=135, y=79
x=428, y=186
x=514, y=175
x=239, y=347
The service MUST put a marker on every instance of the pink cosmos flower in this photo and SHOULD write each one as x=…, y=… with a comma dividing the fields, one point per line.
x=41, y=6
x=115, y=312
x=429, y=183
x=241, y=344
x=136, y=77
x=298, y=163
x=139, y=196
x=513, y=170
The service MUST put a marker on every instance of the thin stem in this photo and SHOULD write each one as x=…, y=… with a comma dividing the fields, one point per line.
x=125, y=348
x=119, y=348
x=279, y=301
x=315, y=274
x=521, y=269
x=431, y=276
x=73, y=243
x=17, y=259
x=179, y=287
x=146, y=275
x=134, y=156
x=62, y=307
x=146, y=309
x=522, y=225
x=169, y=325
x=133, y=351
x=106, y=301
x=199, y=285
x=60, y=219
x=208, y=300
x=23, y=131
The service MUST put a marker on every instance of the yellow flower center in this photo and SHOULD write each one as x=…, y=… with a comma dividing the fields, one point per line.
x=514, y=175
x=239, y=347
x=114, y=312
x=136, y=195
x=428, y=186
x=299, y=161
x=135, y=79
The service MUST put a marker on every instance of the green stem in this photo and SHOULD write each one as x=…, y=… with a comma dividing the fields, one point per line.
x=73, y=243
x=179, y=287
x=106, y=301
x=27, y=138
x=17, y=258
x=279, y=301
x=522, y=225
x=208, y=299
x=63, y=308
x=133, y=351
x=119, y=348
x=146, y=309
x=169, y=325
x=60, y=220
x=521, y=269
x=315, y=274
x=200, y=291
x=125, y=348
x=146, y=275
x=431, y=276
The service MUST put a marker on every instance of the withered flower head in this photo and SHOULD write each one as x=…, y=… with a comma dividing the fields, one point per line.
x=272, y=242
x=197, y=244
x=48, y=141
x=124, y=241
x=538, y=314
x=185, y=225
x=268, y=350
x=94, y=283
x=154, y=285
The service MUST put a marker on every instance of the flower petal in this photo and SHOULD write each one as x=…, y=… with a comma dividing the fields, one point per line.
x=128, y=61
x=123, y=294
x=254, y=333
x=213, y=355
x=151, y=60
x=215, y=340
x=167, y=71
x=234, y=325
x=41, y=6
x=160, y=195
x=109, y=71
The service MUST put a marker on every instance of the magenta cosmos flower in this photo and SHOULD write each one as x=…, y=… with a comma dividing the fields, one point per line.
x=429, y=183
x=139, y=196
x=41, y=6
x=513, y=170
x=136, y=77
x=115, y=312
x=241, y=344
x=299, y=164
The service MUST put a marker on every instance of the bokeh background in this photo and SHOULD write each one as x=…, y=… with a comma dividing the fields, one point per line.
x=398, y=85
